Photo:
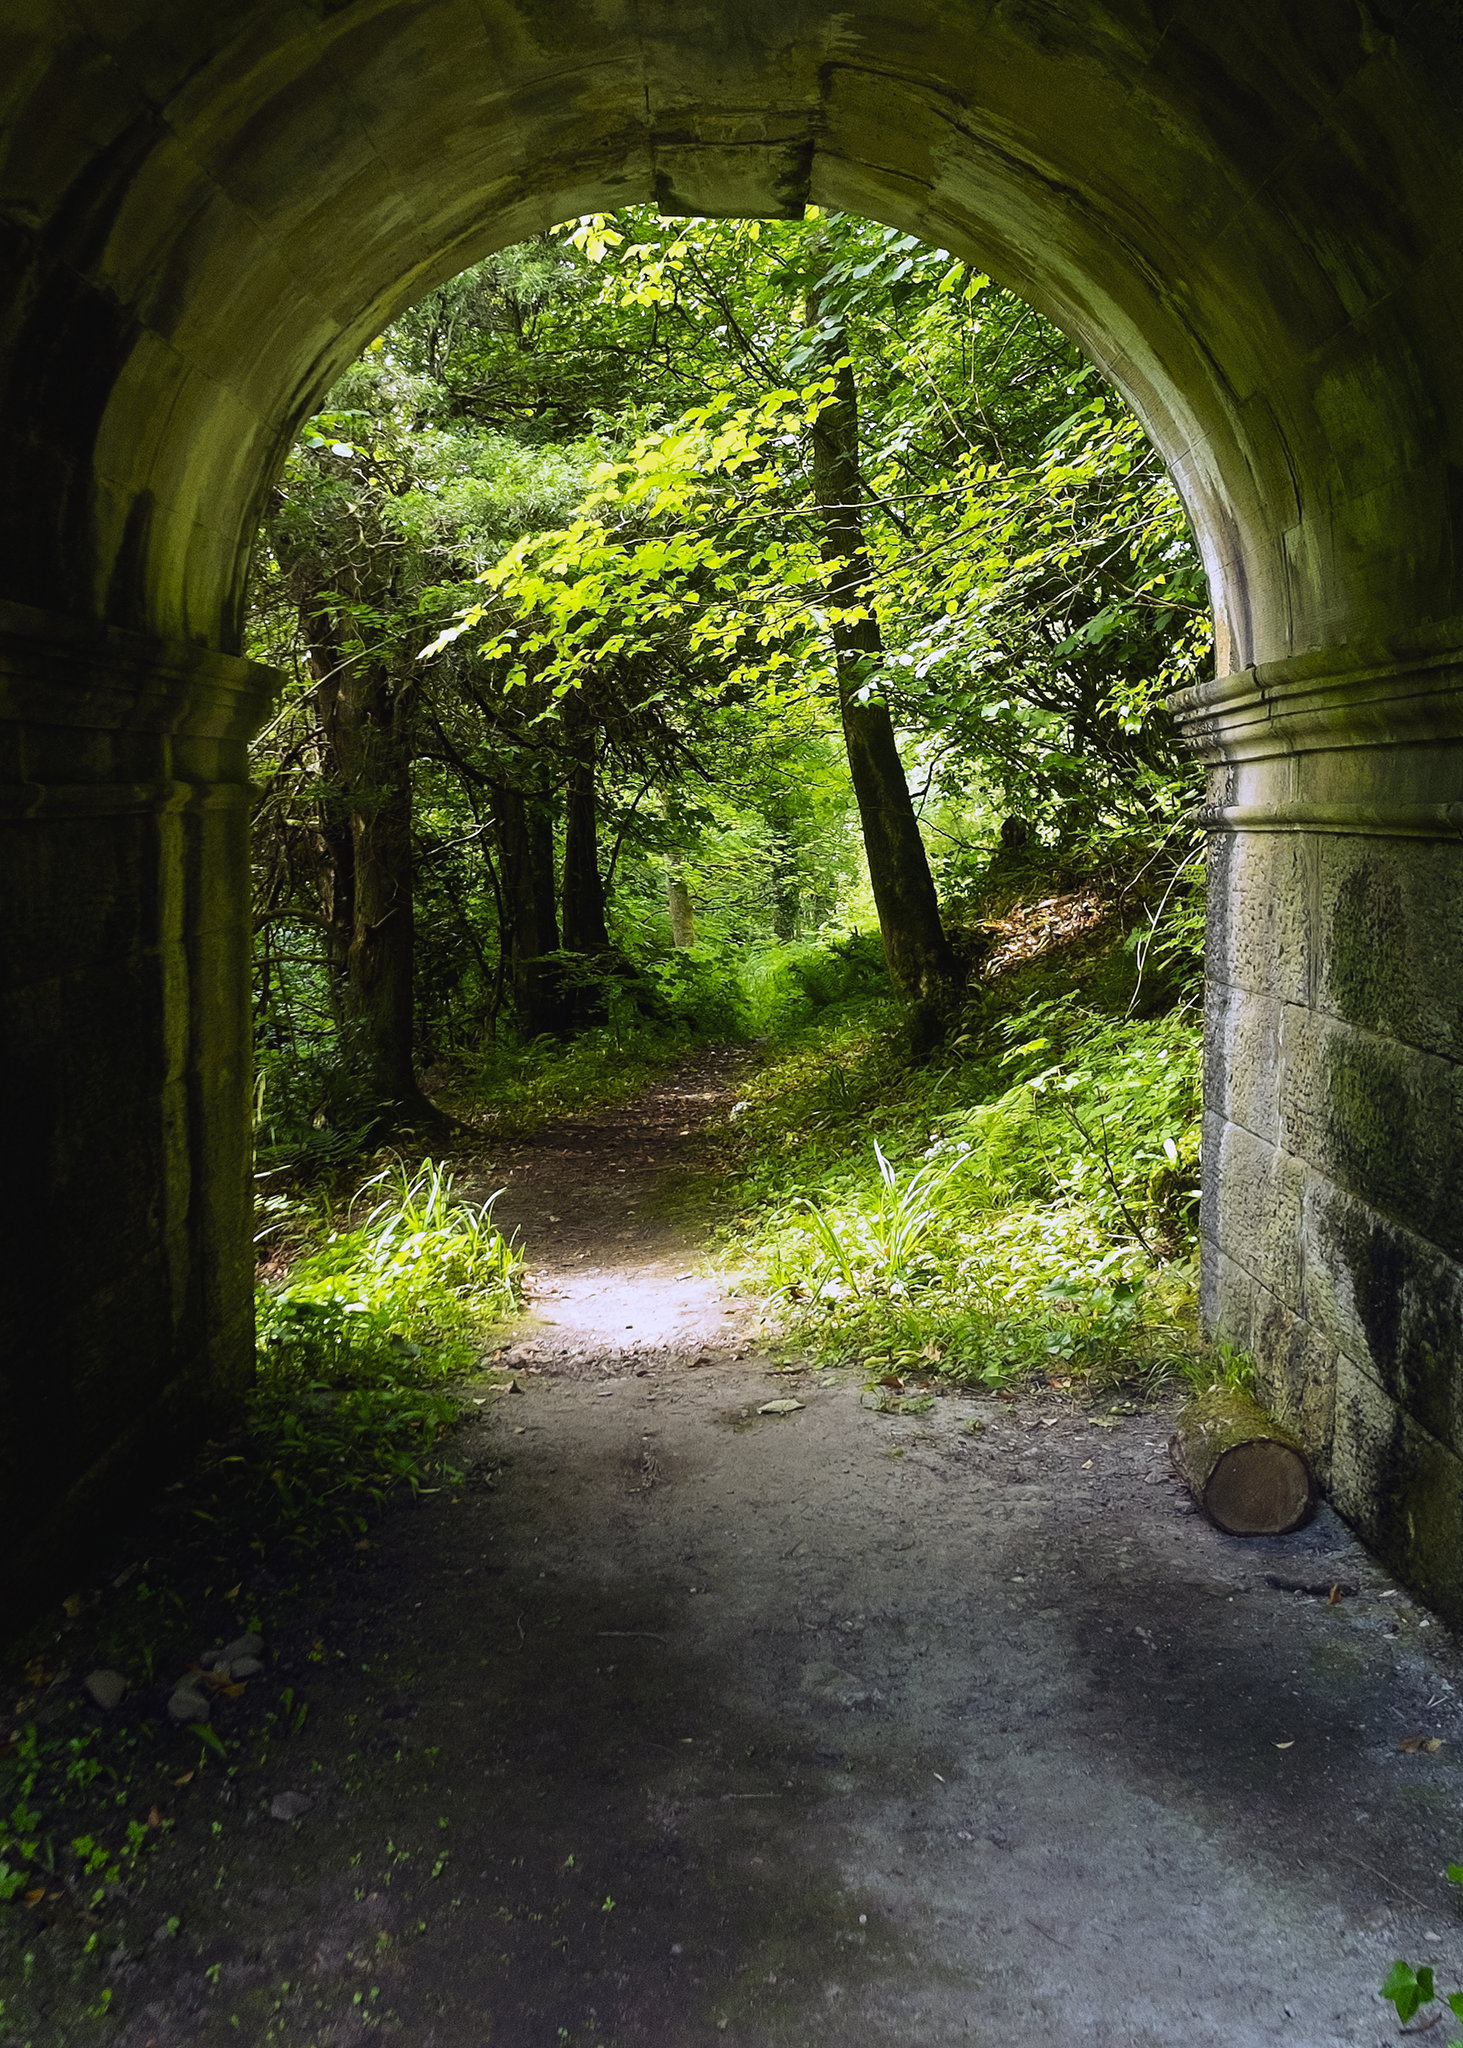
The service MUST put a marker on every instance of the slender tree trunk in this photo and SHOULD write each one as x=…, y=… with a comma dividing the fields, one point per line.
x=584, y=897
x=786, y=893
x=336, y=880
x=678, y=898
x=366, y=891
x=526, y=875
x=921, y=964
x=371, y=745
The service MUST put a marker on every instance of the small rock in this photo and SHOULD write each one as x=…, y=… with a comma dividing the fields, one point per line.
x=187, y=1704
x=243, y=1646
x=105, y=1687
x=209, y=1659
x=245, y=1667
x=289, y=1806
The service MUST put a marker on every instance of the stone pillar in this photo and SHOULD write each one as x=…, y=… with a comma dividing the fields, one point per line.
x=1333, y=1170
x=124, y=1063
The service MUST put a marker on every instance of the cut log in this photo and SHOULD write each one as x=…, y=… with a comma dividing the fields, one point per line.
x=1247, y=1472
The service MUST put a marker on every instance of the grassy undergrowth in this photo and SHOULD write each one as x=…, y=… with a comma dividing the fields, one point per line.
x=514, y=1090
x=1027, y=1202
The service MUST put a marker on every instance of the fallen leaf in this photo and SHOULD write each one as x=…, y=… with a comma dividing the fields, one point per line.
x=34, y=1898
x=72, y=1605
x=1430, y=1744
x=234, y=1591
x=786, y=1406
x=1286, y=1745
x=154, y=1818
x=186, y=1779
x=1088, y=1466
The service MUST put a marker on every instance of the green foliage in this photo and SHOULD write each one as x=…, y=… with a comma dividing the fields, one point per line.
x=560, y=519
x=1410, y=1989
x=1032, y=1203
x=786, y=987
x=354, y=1343
x=45, y=1780
x=425, y=1267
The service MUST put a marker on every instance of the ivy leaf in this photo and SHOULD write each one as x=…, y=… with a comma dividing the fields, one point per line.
x=1408, y=1989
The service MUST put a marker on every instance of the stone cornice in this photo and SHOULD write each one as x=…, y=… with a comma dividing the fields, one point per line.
x=1362, y=695
x=99, y=722
x=57, y=670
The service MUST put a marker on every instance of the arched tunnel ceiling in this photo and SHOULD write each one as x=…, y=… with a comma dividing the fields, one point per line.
x=1249, y=215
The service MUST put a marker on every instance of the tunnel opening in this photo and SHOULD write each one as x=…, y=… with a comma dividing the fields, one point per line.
x=1240, y=226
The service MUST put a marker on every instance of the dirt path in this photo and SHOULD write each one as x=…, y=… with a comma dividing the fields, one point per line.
x=686, y=1725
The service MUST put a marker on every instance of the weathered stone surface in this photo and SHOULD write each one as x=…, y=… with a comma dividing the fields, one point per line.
x=1252, y=1196
x=106, y=1688
x=1392, y=1300
x=1400, y=1487
x=1257, y=939
x=124, y=1033
x=1390, y=914
x=1243, y=1037
x=1326, y=787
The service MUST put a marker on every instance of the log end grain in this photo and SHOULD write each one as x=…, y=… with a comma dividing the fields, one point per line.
x=1247, y=1472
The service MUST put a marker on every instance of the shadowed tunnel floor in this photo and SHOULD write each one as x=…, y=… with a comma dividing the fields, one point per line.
x=682, y=1724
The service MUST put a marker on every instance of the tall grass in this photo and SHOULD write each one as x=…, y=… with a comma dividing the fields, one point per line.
x=354, y=1344
x=1033, y=1202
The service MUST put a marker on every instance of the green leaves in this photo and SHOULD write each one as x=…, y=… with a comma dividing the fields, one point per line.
x=1409, y=1990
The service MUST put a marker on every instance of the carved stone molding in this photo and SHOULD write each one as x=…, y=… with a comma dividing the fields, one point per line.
x=1363, y=739
x=98, y=721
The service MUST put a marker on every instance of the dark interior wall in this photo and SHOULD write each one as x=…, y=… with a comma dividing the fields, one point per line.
x=1247, y=214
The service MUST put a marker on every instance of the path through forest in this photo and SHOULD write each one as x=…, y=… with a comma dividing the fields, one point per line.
x=686, y=1724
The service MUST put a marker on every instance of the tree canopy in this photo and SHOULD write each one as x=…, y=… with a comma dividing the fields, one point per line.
x=766, y=562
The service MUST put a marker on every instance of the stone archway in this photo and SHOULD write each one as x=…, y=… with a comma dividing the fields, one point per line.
x=1246, y=216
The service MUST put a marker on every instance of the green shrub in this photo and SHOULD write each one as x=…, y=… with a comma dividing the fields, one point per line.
x=353, y=1345
x=1032, y=1202
x=785, y=987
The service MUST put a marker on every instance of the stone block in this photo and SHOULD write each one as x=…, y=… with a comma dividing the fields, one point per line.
x=1378, y=1118
x=1242, y=1057
x=1251, y=1203
x=1258, y=929
x=1297, y=1380
x=1392, y=1301
x=1390, y=937
x=1400, y=1488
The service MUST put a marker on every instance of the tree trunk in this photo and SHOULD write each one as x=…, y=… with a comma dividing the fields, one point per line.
x=921, y=965
x=526, y=873
x=584, y=897
x=786, y=893
x=683, y=917
x=366, y=886
x=370, y=742
x=1248, y=1473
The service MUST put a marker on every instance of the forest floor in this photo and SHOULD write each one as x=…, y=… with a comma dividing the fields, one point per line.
x=683, y=1723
